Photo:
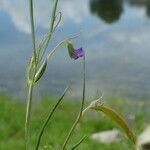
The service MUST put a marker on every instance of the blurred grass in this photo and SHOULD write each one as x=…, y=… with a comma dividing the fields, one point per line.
x=12, y=114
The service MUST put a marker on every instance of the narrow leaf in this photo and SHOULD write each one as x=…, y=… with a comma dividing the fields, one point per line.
x=47, y=120
x=77, y=144
x=117, y=118
x=41, y=71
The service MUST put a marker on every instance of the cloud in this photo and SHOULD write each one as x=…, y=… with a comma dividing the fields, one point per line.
x=75, y=11
x=18, y=12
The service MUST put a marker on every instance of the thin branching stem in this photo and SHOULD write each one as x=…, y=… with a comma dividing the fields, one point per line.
x=35, y=65
x=59, y=44
x=59, y=19
x=53, y=17
x=80, y=111
x=46, y=39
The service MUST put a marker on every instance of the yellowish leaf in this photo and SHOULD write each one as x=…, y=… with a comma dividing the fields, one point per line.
x=117, y=118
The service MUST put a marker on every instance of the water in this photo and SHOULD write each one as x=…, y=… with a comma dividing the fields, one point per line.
x=114, y=33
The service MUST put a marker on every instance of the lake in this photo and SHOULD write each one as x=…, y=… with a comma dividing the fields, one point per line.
x=114, y=33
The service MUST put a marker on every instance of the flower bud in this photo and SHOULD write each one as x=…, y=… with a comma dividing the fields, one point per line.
x=74, y=53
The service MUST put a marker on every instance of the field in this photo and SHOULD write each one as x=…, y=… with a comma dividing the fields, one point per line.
x=12, y=114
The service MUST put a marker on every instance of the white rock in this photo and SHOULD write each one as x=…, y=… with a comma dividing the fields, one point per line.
x=106, y=137
x=143, y=140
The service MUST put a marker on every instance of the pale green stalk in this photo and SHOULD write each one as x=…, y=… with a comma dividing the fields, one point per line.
x=28, y=112
x=32, y=27
x=80, y=111
x=30, y=90
x=35, y=64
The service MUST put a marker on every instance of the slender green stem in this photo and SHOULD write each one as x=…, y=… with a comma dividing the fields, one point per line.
x=30, y=88
x=28, y=112
x=32, y=27
x=45, y=40
x=59, y=19
x=48, y=118
x=35, y=64
x=80, y=111
x=85, y=110
x=53, y=16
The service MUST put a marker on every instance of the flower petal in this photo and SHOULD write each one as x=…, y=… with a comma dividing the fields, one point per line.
x=79, y=52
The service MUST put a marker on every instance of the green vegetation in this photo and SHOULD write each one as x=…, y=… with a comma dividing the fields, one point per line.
x=12, y=114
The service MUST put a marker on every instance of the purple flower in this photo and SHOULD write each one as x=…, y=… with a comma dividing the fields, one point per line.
x=75, y=53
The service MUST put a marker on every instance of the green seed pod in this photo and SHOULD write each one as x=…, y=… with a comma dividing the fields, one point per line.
x=41, y=71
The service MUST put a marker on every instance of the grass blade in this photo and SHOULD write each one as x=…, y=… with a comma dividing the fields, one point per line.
x=48, y=119
x=77, y=144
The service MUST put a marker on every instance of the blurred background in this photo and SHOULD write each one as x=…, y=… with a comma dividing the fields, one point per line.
x=115, y=35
